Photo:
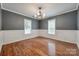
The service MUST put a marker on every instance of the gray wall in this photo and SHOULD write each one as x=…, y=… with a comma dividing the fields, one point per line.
x=78, y=19
x=67, y=21
x=0, y=17
x=13, y=21
x=43, y=24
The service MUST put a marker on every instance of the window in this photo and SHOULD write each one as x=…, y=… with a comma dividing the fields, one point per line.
x=27, y=26
x=51, y=26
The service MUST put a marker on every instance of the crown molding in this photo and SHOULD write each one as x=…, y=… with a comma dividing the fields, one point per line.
x=14, y=11
x=77, y=5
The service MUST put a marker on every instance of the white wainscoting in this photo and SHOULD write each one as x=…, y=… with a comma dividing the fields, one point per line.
x=10, y=36
x=66, y=35
x=1, y=39
x=78, y=38
x=44, y=33
x=17, y=35
x=62, y=35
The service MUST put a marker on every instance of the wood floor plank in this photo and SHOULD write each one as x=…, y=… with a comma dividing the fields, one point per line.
x=40, y=46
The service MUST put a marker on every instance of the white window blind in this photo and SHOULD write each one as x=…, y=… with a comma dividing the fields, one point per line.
x=51, y=26
x=27, y=26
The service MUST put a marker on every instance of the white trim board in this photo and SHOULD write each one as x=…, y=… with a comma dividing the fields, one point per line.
x=1, y=39
x=77, y=38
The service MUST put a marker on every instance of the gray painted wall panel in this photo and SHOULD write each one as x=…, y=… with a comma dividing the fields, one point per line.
x=13, y=21
x=0, y=17
x=78, y=20
x=43, y=24
x=67, y=21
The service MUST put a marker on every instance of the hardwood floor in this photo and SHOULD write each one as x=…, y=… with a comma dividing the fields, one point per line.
x=39, y=46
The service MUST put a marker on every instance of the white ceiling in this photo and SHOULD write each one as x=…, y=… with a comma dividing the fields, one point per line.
x=29, y=9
